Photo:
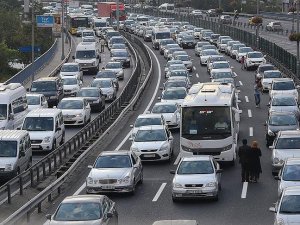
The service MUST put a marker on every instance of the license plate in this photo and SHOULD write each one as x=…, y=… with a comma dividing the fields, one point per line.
x=149, y=155
x=108, y=187
x=35, y=146
x=193, y=191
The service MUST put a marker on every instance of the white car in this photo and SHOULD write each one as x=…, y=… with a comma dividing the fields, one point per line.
x=75, y=110
x=284, y=86
x=172, y=62
x=234, y=50
x=254, y=59
x=107, y=87
x=174, y=95
x=287, y=207
x=115, y=171
x=241, y=52
x=71, y=86
x=289, y=175
x=117, y=68
x=170, y=113
x=216, y=58
x=187, y=61
x=205, y=54
x=198, y=47
x=153, y=143
x=168, y=47
x=223, y=44
x=229, y=46
x=197, y=32
x=267, y=78
x=283, y=103
x=220, y=66
x=146, y=120
x=35, y=101
x=196, y=177
x=197, y=13
x=71, y=69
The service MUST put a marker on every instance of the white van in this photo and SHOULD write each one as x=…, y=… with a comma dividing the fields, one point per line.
x=88, y=56
x=15, y=151
x=88, y=33
x=46, y=129
x=13, y=106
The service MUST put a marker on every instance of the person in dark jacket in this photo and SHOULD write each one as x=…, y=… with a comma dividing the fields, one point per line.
x=254, y=162
x=243, y=154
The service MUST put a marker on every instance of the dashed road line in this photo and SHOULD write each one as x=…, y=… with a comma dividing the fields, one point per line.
x=177, y=159
x=160, y=190
x=249, y=113
x=251, y=131
x=246, y=98
x=244, y=190
x=241, y=83
x=194, y=68
x=197, y=75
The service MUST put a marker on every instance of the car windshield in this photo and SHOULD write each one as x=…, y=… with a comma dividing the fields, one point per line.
x=179, y=73
x=210, y=52
x=69, y=68
x=290, y=204
x=282, y=120
x=118, y=46
x=225, y=41
x=177, y=83
x=220, y=75
x=8, y=148
x=43, y=86
x=195, y=167
x=33, y=100
x=38, y=124
x=106, y=74
x=119, y=54
x=164, y=109
x=284, y=86
x=101, y=83
x=215, y=36
x=151, y=135
x=217, y=59
x=235, y=46
x=245, y=50
x=187, y=38
x=220, y=65
x=70, y=104
x=172, y=62
x=88, y=40
x=197, y=29
x=177, y=67
x=86, y=54
x=70, y=81
x=113, y=66
x=272, y=74
x=78, y=211
x=265, y=68
x=172, y=94
x=284, y=101
x=200, y=44
x=88, y=93
x=166, y=42
x=291, y=172
x=162, y=35
x=113, y=161
x=288, y=143
x=255, y=55
x=147, y=121
x=117, y=40
x=208, y=47
x=3, y=111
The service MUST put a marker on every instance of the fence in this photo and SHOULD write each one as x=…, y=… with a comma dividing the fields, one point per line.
x=101, y=124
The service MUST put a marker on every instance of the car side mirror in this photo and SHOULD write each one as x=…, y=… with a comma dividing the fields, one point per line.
x=73, y=57
x=27, y=89
x=158, y=98
x=172, y=171
x=90, y=166
x=161, y=88
x=271, y=146
x=22, y=153
x=130, y=139
x=48, y=216
x=277, y=178
x=272, y=209
x=58, y=129
x=131, y=126
x=219, y=171
x=109, y=215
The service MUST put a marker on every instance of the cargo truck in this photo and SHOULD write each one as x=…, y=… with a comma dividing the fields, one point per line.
x=108, y=9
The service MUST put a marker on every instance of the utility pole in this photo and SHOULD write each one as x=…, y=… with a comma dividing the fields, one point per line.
x=298, y=60
x=118, y=15
x=257, y=7
x=32, y=37
x=62, y=30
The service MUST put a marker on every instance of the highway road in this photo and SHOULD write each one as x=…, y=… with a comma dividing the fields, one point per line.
x=87, y=79
x=239, y=203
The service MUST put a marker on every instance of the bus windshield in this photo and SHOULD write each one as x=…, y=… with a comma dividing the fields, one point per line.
x=163, y=35
x=206, y=122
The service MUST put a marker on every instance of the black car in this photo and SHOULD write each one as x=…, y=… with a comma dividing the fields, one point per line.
x=188, y=42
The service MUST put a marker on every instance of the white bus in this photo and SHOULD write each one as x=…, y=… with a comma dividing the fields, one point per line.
x=167, y=7
x=159, y=33
x=210, y=121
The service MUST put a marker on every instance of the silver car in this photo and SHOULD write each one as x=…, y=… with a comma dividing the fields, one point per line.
x=196, y=177
x=107, y=87
x=117, y=67
x=170, y=112
x=115, y=171
x=281, y=103
x=85, y=210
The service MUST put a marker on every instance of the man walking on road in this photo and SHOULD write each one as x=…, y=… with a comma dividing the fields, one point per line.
x=243, y=154
x=102, y=43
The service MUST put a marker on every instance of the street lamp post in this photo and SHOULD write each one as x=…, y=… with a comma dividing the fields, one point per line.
x=62, y=30
x=32, y=37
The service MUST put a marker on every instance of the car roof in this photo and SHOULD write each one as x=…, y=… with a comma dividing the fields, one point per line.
x=71, y=63
x=281, y=113
x=73, y=98
x=149, y=116
x=285, y=79
x=119, y=152
x=295, y=190
x=97, y=79
x=196, y=158
x=88, y=88
x=34, y=94
x=288, y=133
x=165, y=103
x=83, y=198
x=152, y=127
x=292, y=161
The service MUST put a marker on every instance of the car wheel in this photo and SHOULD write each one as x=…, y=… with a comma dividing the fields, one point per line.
x=174, y=199
x=216, y=198
x=220, y=187
x=133, y=188
x=141, y=177
x=62, y=139
x=232, y=162
x=54, y=145
x=84, y=121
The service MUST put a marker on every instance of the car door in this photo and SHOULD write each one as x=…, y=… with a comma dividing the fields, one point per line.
x=136, y=168
x=170, y=138
x=109, y=207
x=21, y=158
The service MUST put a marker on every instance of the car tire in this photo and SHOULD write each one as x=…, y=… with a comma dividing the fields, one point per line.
x=84, y=121
x=133, y=188
x=141, y=178
x=174, y=199
x=54, y=145
x=62, y=139
x=216, y=198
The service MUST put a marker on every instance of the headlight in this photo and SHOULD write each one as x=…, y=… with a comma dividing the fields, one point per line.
x=47, y=139
x=228, y=147
x=176, y=185
x=135, y=149
x=124, y=180
x=93, y=63
x=79, y=115
x=8, y=167
x=211, y=184
x=89, y=180
x=270, y=133
x=164, y=147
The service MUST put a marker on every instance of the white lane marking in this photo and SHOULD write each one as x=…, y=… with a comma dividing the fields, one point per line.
x=194, y=68
x=147, y=108
x=246, y=98
x=197, y=75
x=241, y=83
x=249, y=113
x=177, y=159
x=251, y=131
x=160, y=190
x=244, y=190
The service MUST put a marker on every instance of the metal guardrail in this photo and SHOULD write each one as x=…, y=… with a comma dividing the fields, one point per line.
x=122, y=104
